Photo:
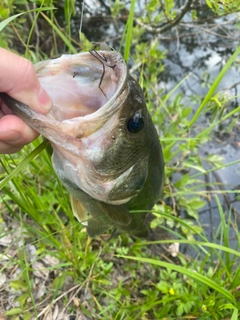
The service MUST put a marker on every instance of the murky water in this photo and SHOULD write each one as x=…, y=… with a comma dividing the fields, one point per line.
x=204, y=55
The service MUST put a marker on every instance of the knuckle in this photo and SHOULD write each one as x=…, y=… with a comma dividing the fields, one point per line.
x=26, y=71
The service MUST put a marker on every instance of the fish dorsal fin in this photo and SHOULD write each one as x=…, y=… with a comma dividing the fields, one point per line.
x=117, y=214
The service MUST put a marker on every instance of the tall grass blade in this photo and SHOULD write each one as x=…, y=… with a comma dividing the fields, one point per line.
x=129, y=31
x=5, y=22
x=25, y=161
x=61, y=34
x=168, y=95
x=214, y=86
x=192, y=242
x=194, y=275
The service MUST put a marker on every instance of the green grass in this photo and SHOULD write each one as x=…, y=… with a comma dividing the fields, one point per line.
x=122, y=278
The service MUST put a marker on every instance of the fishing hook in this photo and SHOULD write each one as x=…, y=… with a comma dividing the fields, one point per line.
x=103, y=61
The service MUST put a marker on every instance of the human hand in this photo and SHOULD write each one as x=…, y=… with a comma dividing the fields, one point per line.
x=18, y=79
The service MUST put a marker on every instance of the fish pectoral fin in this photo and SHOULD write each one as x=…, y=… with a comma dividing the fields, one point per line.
x=97, y=226
x=95, y=222
x=117, y=214
x=99, y=216
x=79, y=211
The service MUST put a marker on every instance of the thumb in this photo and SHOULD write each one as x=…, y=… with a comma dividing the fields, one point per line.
x=18, y=79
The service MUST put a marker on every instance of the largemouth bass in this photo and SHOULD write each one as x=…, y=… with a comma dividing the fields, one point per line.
x=106, y=150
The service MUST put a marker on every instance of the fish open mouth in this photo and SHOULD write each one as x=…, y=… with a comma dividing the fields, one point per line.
x=81, y=84
x=87, y=90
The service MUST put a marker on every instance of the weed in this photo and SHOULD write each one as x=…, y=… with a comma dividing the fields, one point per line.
x=52, y=267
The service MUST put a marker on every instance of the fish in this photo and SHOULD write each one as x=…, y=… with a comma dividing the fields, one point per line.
x=106, y=149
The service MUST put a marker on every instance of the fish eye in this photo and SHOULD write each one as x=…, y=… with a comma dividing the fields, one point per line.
x=136, y=123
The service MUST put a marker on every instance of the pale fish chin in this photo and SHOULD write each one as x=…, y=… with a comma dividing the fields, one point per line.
x=95, y=185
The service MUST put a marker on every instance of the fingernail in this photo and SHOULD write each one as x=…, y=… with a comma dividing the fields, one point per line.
x=44, y=100
x=10, y=136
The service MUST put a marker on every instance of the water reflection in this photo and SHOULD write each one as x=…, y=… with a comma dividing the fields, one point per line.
x=204, y=54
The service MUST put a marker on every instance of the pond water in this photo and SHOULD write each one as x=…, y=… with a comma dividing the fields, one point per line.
x=204, y=54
